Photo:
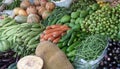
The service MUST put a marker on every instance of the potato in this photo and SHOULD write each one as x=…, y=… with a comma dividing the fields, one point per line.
x=53, y=57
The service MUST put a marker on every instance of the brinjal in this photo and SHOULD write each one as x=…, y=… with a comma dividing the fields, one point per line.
x=7, y=60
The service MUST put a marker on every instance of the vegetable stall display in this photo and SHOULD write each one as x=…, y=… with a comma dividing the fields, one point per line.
x=59, y=37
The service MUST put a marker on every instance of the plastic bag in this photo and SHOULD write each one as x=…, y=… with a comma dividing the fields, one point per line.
x=93, y=64
x=63, y=3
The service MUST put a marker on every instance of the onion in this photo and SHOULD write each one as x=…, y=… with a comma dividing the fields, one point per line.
x=43, y=2
x=41, y=9
x=50, y=6
x=16, y=10
x=37, y=2
x=31, y=10
x=45, y=14
x=25, y=4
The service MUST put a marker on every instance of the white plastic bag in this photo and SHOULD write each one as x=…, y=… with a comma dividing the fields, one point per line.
x=93, y=64
x=63, y=3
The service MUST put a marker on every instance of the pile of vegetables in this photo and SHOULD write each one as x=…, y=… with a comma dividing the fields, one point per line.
x=81, y=4
x=39, y=9
x=55, y=16
x=112, y=57
x=104, y=21
x=8, y=60
x=90, y=52
x=53, y=33
x=20, y=36
x=92, y=47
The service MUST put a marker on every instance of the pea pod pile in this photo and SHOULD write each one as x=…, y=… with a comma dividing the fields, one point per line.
x=23, y=36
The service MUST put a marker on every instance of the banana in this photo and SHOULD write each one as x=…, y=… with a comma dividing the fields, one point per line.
x=30, y=62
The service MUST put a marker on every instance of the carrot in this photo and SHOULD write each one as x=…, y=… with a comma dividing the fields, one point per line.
x=51, y=30
x=42, y=35
x=56, y=40
x=64, y=26
x=48, y=27
x=42, y=40
x=55, y=26
x=51, y=38
x=57, y=33
x=48, y=35
x=65, y=29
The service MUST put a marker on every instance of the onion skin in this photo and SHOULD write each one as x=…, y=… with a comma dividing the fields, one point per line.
x=43, y=2
x=25, y=4
x=41, y=10
x=50, y=6
x=45, y=14
x=37, y=2
x=31, y=10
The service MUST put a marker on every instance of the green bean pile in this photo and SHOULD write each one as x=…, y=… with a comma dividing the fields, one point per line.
x=92, y=47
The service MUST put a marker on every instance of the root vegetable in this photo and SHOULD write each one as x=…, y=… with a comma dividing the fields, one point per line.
x=43, y=2
x=45, y=14
x=22, y=12
x=37, y=2
x=50, y=6
x=31, y=10
x=33, y=18
x=24, y=4
x=56, y=40
x=30, y=62
x=16, y=10
x=41, y=9
x=53, y=57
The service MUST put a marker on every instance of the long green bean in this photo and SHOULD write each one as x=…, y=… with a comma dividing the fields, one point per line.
x=92, y=47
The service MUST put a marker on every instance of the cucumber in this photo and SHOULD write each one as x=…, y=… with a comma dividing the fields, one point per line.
x=76, y=27
x=60, y=45
x=71, y=54
x=65, y=43
x=65, y=37
x=65, y=18
x=72, y=47
x=64, y=49
x=71, y=39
